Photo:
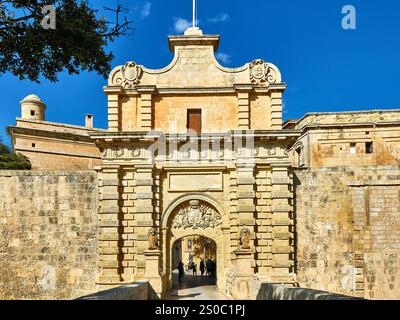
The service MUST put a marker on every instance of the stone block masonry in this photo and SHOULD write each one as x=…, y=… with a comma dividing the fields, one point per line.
x=347, y=230
x=273, y=291
x=48, y=234
x=134, y=291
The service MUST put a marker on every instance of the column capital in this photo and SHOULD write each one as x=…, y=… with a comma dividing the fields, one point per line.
x=149, y=89
x=280, y=166
x=109, y=168
x=245, y=167
x=144, y=167
x=113, y=90
x=243, y=87
x=152, y=253
x=244, y=253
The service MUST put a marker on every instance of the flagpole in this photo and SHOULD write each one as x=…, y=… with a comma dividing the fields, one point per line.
x=194, y=13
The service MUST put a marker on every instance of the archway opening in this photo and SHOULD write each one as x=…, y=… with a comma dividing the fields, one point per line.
x=194, y=262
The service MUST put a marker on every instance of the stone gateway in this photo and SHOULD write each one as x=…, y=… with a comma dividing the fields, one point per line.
x=199, y=151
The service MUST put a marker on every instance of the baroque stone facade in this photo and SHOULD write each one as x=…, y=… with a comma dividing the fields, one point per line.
x=311, y=202
x=154, y=175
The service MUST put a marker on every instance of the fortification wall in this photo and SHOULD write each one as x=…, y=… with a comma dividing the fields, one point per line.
x=348, y=230
x=48, y=234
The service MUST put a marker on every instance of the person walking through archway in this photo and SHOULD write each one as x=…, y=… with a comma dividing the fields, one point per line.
x=202, y=267
x=194, y=268
x=208, y=268
x=181, y=272
x=213, y=268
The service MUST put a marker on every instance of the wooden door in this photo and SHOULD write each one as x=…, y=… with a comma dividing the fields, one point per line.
x=194, y=120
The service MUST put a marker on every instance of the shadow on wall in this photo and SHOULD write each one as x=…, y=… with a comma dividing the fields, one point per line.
x=271, y=291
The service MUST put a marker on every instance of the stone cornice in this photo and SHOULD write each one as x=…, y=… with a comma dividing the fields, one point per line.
x=349, y=113
x=193, y=40
x=42, y=173
x=271, y=87
x=349, y=125
x=194, y=90
x=195, y=167
x=116, y=89
x=51, y=134
x=62, y=153
x=146, y=89
x=246, y=87
x=58, y=125
x=147, y=136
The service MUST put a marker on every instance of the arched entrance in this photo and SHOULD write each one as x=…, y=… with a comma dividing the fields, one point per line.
x=197, y=255
x=200, y=217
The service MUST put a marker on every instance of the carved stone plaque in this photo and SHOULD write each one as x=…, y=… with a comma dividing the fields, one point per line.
x=195, y=182
x=196, y=215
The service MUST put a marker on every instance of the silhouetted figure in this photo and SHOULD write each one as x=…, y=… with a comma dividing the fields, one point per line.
x=213, y=268
x=181, y=272
x=194, y=268
x=202, y=268
x=208, y=267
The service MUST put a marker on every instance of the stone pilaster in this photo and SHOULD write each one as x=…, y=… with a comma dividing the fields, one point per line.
x=153, y=274
x=146, y=110
x=243, y=106
x=282, y=224
x=114, y=108
x=164, y=248
x=361, y=203
x=143, y=213
x=233, y=213
x=157, y=198
x=128, y=229
x=358, y=259
x=109, y=219
x=263, y=221
x=276, y=110
x=244, y=273
x=246, y=207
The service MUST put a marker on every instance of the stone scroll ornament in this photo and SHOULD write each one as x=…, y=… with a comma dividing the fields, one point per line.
x=196, y=215
x=261, y=74
x=129, y=75
x=245, y=238
x=152, y=236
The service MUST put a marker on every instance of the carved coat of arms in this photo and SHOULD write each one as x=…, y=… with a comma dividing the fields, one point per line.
x=261, y=73
x=196, y=216
x=131, y=74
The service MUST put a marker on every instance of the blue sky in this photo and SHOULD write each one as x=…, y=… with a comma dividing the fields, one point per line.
x=326, y=67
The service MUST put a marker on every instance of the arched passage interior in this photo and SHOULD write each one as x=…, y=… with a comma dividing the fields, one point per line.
x=197, y=256
x=195, y=216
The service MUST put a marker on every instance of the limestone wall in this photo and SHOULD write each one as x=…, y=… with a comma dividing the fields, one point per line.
x=41, y=160
x=272, y=291
x=347, y=238
x=48, y=234
x=347, y=230
x=134, y=291
x=371, y=116
x=219, y=112
x=55, y=146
